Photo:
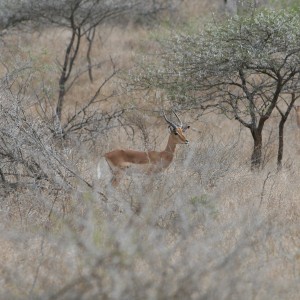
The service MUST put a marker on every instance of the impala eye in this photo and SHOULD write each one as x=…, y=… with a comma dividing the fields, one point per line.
x=175, y=132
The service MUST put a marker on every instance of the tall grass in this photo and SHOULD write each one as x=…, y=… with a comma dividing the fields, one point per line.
x=198, y=230
x=205, y=228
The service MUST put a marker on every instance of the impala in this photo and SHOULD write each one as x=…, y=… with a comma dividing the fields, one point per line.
x=297, y=108
x=147, y=162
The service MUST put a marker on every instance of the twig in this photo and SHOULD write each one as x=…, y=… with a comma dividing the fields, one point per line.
x=262, y=194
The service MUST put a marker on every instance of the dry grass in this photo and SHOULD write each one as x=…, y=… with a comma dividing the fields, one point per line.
x=171, y=236
x=206, y=228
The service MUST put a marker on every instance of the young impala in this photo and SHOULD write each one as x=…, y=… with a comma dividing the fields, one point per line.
x=147, y=162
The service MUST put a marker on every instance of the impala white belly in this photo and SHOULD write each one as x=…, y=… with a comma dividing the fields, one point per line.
x=132, y=168
x=136, y=168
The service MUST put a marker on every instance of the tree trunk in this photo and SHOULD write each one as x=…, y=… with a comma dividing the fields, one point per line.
x=61, y=96
x=284, y=117
x=280, y=144
x=257, y=149
x=69, y=59
x=297, y=108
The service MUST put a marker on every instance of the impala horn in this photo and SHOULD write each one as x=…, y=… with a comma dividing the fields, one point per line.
x=169, y=122
x=177, y=118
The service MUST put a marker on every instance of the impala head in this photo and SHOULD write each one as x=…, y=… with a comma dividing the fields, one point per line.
x=177, y=131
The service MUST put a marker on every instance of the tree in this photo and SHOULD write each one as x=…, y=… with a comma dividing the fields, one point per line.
x=247, y=67
x=81, y=18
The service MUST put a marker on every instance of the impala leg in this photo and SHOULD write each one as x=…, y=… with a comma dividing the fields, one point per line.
x=152, y=169
x=117, y=176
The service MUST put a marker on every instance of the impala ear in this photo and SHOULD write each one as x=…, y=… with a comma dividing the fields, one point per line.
x=185, y=127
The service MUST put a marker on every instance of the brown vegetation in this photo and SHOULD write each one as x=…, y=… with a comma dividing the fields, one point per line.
x=205, y=228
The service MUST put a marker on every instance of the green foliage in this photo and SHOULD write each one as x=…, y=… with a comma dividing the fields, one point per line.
x=267, y=40
x=244, y=66
x=290, y=4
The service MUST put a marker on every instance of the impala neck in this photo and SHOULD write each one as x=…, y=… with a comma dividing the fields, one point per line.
x=170, y=148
